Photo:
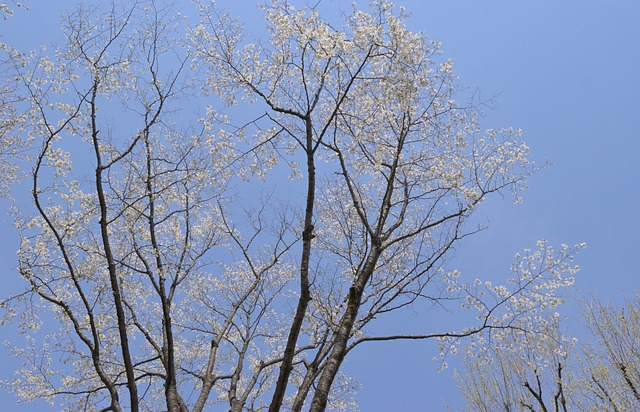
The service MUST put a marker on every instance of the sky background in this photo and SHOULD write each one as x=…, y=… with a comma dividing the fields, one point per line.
x=567, y=73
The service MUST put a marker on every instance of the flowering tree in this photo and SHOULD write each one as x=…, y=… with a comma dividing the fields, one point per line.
x=168, y=294
x=547, y=371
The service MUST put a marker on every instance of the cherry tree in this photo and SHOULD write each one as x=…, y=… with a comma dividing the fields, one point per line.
x=178, y=271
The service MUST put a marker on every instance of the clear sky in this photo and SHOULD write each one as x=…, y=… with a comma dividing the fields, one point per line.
x=566, y=72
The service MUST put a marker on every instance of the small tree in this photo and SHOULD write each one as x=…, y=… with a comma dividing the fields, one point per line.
x=522, y=371
x=163, y=287
x=546, y=371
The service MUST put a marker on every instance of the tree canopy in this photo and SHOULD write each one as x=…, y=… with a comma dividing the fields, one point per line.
x=217, y=219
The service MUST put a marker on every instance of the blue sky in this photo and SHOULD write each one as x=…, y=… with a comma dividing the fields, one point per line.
x=567, y=73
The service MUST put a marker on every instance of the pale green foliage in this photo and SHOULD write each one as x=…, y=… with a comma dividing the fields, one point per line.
x=546, y=370
x=518, y=371
x=611, y=363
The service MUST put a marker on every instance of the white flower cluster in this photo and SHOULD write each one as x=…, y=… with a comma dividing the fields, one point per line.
x=526, y=305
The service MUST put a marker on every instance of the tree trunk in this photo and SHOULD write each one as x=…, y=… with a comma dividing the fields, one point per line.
x=305, y=295
x=341, y=338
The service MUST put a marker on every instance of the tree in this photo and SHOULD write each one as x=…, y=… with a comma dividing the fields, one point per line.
x=610, y=370
x=523, y=371
x=547, y=371
x=163, y=287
